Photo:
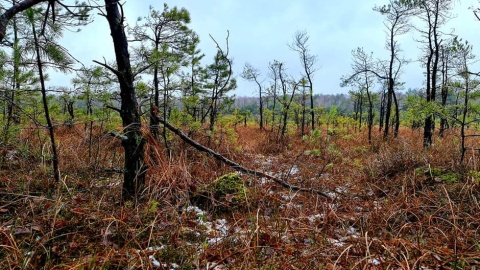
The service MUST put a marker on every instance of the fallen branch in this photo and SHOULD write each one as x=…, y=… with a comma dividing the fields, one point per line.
x=237, y=166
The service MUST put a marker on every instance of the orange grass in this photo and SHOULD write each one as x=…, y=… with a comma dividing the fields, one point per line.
x=390, y=212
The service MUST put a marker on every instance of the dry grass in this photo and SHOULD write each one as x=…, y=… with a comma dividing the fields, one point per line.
x=395, y=207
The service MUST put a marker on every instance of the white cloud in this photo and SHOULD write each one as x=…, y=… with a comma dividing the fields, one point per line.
x=260, y=31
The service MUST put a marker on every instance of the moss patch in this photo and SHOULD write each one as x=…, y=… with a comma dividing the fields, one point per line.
x=439, y=175
x=225, y=194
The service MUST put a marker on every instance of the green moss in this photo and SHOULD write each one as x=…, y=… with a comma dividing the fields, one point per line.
x=228, y=184
x=450, y=177
x=440, y=174
x=475, y=175
x=151, y=207
x=224, y=194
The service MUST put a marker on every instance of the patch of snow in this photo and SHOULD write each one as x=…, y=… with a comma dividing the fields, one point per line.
x=195, y=209
x=221, y=226
x=315, y=217
x=288, y=196
x=341, y=189
x=217, y=230
x=292, y=205
x=336, y=242
x=264, y=180
x=154, y=261
x=154, y=249
x=294, y=170
x=173, y=266
x=374, y=261
x=214, y=240
x=351, y=231
x=11, y=154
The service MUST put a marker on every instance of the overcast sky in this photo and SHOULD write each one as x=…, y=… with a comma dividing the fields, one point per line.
x=261, y=30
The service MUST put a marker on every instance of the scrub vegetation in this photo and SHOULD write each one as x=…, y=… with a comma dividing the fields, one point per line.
x=150, y=162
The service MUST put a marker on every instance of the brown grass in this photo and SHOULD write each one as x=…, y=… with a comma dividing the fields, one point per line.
x=390, y=212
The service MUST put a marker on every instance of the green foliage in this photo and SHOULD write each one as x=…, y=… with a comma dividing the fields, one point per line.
x=418, y=109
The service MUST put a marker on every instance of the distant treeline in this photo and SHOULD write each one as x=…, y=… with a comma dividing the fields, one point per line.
x=343, y=102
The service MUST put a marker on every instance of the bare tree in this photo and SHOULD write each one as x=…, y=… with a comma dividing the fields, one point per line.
x=251, y=73
x=434, y=14
x=396, y=23
x=364, y=80
x=273, y=74
x=447, y=56
x=308, y=60
x=288, y=89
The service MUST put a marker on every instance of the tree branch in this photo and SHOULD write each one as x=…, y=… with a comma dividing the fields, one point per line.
x=113, y=108
x=142, y=69
x=119, y=136
x=114, y=71
x=11, y=12
x=237, y=166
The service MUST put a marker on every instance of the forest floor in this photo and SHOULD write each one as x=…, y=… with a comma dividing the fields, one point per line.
x=392, y=205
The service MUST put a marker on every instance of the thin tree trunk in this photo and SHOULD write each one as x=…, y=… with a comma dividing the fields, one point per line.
x=397, y=116
x=388, y=107
x=10, y=96
x=56, y=170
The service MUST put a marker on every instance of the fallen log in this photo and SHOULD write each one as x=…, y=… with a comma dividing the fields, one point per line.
x=237, y=166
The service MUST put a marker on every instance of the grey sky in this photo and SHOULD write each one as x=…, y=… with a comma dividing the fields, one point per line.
x=260, y=31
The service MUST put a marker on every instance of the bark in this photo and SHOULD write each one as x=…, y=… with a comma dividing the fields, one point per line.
x=388, y=106
x=464, y=118
x=444, y=90
x=397, y=116
x=382, y=111
x=133, y=143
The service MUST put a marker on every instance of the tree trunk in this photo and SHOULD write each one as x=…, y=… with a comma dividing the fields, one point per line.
x=388, y=107
x=445, y=67
x=464, y=120
x=382, y=111
x=261, y=105
x=312, y=110
x=397, y=116
x=56, y=170
x=133, y=142
x=10, y=95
